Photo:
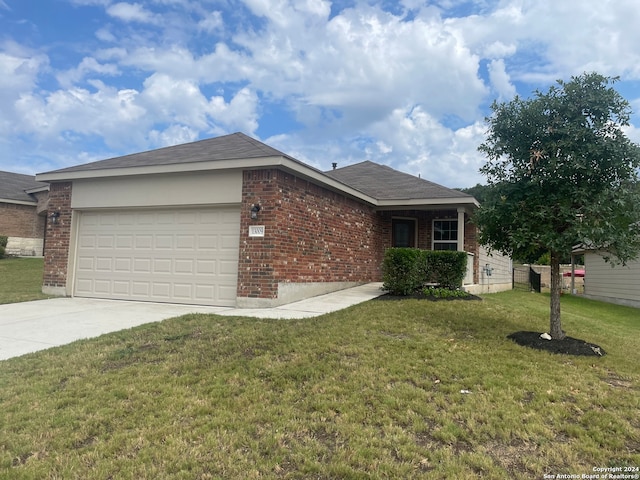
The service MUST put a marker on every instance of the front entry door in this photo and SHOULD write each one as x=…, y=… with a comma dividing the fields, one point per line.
x=403, y=232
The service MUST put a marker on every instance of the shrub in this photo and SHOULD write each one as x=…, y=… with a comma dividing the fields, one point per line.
x=446, y=268
x=438, y=292
x=402, y=271
x=3, y=244
x=407, y=270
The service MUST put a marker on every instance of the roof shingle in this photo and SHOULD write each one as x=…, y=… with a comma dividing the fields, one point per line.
x=13, y=186
x=384, y=183
x=227, y=147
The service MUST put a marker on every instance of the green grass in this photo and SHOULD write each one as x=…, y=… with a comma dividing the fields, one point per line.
x=21, y=279
x=373, y=391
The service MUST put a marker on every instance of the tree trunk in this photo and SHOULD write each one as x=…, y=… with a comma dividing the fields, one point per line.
x=555, y=327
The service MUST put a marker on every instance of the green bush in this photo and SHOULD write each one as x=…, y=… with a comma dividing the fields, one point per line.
x=402, y=271
x=438, y=292
x=446, y=268
x=3, y=245
x=407, y=270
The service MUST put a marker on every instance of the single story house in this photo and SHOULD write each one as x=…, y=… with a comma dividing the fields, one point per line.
x=231, y=221
x=23, y=213
x=619, y=284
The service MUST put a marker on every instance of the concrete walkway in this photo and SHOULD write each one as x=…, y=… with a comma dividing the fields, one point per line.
x=32, y=326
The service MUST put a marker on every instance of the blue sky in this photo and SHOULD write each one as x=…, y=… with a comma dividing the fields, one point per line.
x=403, y=83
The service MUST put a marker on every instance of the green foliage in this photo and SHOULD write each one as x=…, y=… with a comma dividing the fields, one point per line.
x=445, y=268
x=561, y=171
x=479, y=192
x=403, y=270
x=407, y=270
x=3, y=245
x=544, y=259
x=439, y=292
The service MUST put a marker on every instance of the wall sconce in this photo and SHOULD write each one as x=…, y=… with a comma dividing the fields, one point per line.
x=54, y=217
x=254, y=211
x=488, y=270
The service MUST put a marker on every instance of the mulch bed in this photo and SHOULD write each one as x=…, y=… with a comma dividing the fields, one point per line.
x=421, y=296
x=566, y=346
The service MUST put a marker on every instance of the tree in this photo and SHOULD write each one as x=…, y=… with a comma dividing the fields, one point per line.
x=561, y=168
x=478, y=192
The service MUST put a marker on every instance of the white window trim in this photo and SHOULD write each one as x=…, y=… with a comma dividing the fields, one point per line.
x=433, y=232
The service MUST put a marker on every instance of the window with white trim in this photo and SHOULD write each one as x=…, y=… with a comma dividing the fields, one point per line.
x=445, y=235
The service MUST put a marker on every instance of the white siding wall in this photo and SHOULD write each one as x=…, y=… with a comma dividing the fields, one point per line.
x=620, y=284
x=500, y=278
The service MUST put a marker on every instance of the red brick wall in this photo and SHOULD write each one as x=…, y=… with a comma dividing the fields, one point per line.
x=56, y=254
x=20, y=221
x=312, y=234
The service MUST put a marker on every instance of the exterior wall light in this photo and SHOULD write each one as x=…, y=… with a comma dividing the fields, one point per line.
x=54, y=217
x=254, y=211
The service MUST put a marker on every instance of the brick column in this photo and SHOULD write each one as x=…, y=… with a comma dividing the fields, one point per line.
x=58, y=235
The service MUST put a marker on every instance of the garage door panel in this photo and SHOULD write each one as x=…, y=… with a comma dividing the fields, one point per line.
x=181, y=256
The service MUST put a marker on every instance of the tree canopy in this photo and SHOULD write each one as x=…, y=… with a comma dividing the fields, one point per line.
x=560, y=169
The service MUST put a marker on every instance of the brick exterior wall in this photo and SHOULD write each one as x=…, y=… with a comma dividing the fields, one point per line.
x=20, y=221
x=56, y=255
x=312, y=234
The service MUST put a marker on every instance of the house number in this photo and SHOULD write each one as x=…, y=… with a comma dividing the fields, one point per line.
x=256, y=230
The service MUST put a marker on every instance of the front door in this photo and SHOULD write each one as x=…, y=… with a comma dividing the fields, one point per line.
x=403, y=232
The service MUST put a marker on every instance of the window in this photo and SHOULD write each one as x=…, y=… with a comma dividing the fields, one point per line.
x=403, y=232
x=445, y=235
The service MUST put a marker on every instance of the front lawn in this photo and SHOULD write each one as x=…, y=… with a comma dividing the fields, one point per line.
x=385, y=389
x=21, y=279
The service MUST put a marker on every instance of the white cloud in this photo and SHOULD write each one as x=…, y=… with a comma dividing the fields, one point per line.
x=211, y=22
x=131, y=12
x=87, y=66
x=500, y=80
x=105, y=35
x=408, y=88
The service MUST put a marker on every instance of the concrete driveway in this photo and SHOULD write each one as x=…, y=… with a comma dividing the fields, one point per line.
x=32, y=326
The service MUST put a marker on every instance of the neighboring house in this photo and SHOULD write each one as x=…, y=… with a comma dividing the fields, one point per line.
x=619, y=284
x=23, y=213
x=232, y=221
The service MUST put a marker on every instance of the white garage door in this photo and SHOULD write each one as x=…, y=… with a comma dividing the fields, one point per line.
x=174, y=255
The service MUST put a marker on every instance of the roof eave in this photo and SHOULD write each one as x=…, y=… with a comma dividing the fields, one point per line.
x=235, y=164
x=428, y=202
x=18, y=202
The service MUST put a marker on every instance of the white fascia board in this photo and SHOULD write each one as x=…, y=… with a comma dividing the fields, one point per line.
x=428, y=202
x=38, y=189
x=18, y=202
x=159, y=169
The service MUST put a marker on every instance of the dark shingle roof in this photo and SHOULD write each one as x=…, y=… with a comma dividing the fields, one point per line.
x=13, y=186
x=385, y=183
x=227, y=147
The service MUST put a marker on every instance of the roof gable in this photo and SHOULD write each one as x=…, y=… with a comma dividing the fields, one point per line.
x=384, y=183
x=227, y=147
x=14, y=186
